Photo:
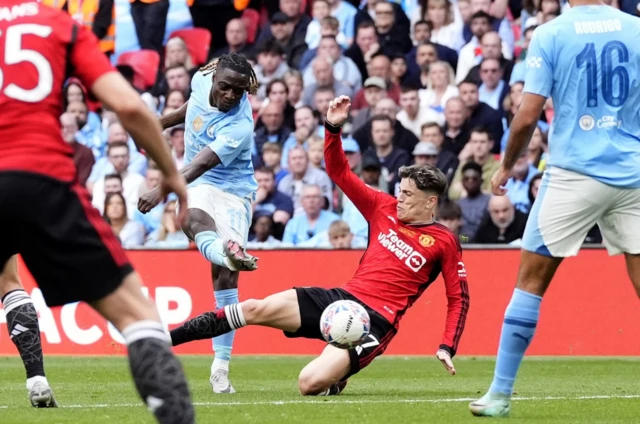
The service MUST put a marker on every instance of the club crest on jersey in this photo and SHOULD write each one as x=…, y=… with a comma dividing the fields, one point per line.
x=210, y=130
x=426, y=240
x=197, y=123
x=407, y=232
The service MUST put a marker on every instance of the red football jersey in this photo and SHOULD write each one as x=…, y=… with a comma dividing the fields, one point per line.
x=401, y=260
x=40, y=48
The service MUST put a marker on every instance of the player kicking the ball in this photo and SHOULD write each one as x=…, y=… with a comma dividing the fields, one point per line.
x=587, y=60
x=218, y=139
x=407, y=251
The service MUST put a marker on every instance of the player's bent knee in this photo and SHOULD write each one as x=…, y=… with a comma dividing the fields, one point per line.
x=310, y=385
x=254, y=311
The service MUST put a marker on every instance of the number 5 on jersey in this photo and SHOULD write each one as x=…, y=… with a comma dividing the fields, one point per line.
x=15, y=54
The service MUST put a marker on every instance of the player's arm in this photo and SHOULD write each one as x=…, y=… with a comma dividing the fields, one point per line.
x=364, y=198
x=537, y=88
x=174, y=118
x=455, y=280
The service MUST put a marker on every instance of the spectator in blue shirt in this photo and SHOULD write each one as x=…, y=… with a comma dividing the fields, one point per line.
x=313, y=221
x=518, y=185
x=271, y=202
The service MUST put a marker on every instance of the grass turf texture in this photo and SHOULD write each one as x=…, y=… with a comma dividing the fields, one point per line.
x=392, y=390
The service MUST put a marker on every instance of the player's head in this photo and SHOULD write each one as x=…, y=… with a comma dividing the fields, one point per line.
x=420, y=188
x=232, y=77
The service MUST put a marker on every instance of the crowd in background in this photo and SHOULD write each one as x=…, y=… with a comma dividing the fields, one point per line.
x=436, y=82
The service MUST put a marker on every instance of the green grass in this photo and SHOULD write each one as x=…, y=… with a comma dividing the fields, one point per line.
x=392, y=390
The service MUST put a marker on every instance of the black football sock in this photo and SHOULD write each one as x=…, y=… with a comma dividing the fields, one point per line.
x=209, y=325
x=157, y=373
x=22, y=323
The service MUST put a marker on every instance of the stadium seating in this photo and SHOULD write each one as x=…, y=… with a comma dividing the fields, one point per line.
x=251, y=19
x=145, y=64
x=197, y=40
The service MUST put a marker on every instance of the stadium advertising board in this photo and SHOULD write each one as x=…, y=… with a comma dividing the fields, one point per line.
x=591, y=309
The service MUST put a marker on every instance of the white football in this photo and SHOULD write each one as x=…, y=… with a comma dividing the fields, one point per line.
x=345, y=324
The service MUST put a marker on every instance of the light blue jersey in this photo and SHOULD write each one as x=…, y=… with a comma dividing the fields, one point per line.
x=588, y=61
x=229, y=135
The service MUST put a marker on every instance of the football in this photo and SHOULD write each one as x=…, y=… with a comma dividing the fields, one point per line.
x=345, y=324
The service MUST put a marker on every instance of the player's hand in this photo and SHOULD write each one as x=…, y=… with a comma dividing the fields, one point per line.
x=173, y=184
x=338, y=111
x=150, y=200
x=445, y=358
x=499, y=180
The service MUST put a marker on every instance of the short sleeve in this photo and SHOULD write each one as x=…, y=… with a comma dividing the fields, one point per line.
x=89, y=63
x=539, y=73
x=231, y=140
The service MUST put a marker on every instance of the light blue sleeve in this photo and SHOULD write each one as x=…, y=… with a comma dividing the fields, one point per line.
x=229, y=142
x=539, y=76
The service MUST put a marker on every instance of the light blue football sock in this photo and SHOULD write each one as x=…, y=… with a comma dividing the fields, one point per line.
x=222, y=344
x=210, y=244
x=518, y=327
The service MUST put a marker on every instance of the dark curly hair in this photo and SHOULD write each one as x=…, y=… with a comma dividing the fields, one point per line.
x=236, y=62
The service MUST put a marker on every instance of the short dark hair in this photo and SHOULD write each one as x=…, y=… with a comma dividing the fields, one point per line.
x=431, y=125
x=379, y=118
x=423, y=22
x=481, y=15
x=469, y=81
x=472, y=166
x=117, y=144
x=329, y=37
x=408, y=88
x=481, y=129
x=325, y=89
x=176, y=66
x=449, y=210
x=270, y=46
x=266, y=170
x=113, y=177
x=274, y=82
x=426, y=177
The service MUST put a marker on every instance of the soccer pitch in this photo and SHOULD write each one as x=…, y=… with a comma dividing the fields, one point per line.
x=392, y=390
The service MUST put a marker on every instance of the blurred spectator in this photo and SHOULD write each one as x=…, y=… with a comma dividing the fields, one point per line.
x=271, y=65
x=316, y=152
x=491, y=45
x=274, y=130
x=277, y=94
x=499, y=24
x=447, y=162
x=176, y=138
x=236, y=37
x=367, y=14
x=493, y=89
x=518, y=185
x=426, y=153
x=379, y=66
x=390, y=156
x=177, y=53
x=90, y=133
x=440, y=87
x=103, y=166
x=421, y=35
x=271, y=158
x=293, y=79
x=479, y=147
x=481, y=114
x=213, y=15
x=118, y=155
x=319, y=12
x=364, y=47
x=261, y=236
x=344, y=70
x=392, y=38
x=534, y=187
x=282, y=28
x=503, y=224
x=322, y=69
x=425, y=54
x=150, y=19
x=511, y=105
x=271, y=202
x=456, y=133
x=300, y=174
x=151, y=180
x=402, y=137
x=375, y=88
x=471, y=54
x=474, y=205
x=82, y=155
x=536, y=149
x=321, y=100
x=168, y=235
x=398, y=69
x=329, y=28
x=544, y=12
x=293, y=10
x=338, y=236
x=175, y=99
x=178, y=78
x=450, y=215
x=413, y=115
x=112, y=184
x=312, y=219
x=306, y=125
x=345, y=13
x=520, y=68
x=446, y=23
x=130, y=233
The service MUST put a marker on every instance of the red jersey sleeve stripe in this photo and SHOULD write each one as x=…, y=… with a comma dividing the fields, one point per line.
x=463, y=315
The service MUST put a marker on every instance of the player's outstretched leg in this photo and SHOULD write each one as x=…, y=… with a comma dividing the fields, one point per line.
x=225, y=284
x=157, y=373
x=518, y=328
x=24, y=331
x=324, y=376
